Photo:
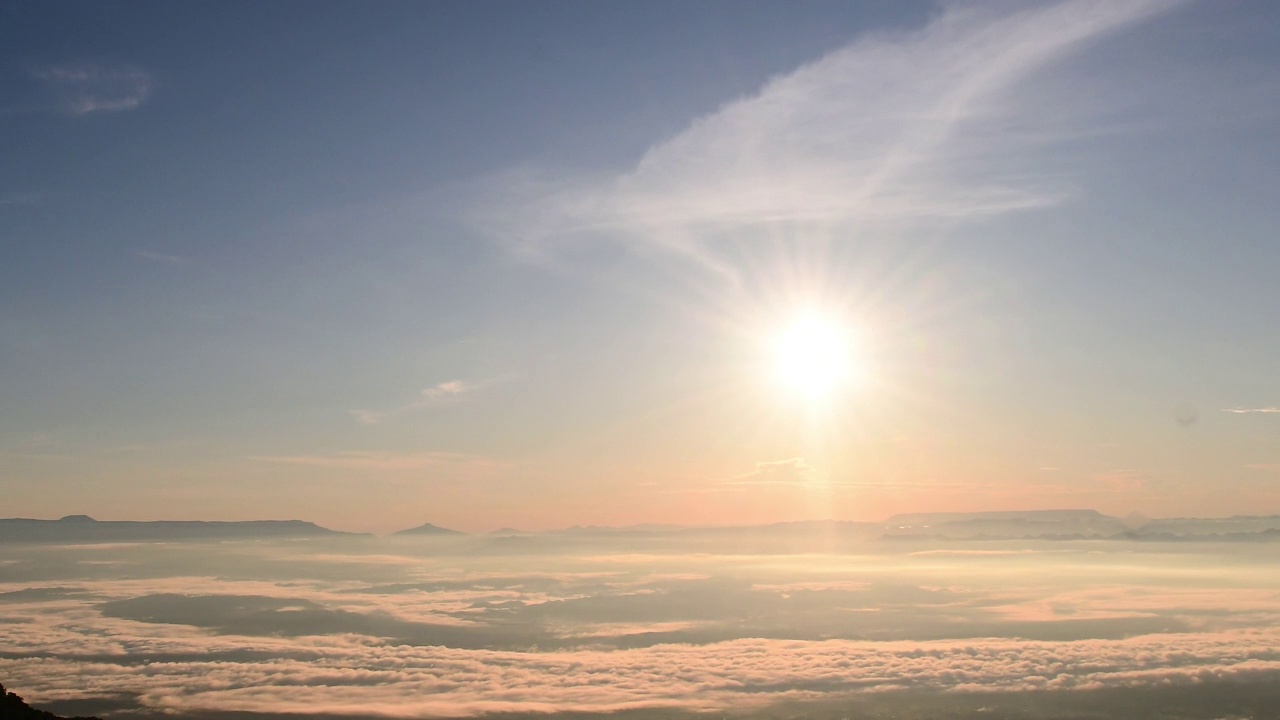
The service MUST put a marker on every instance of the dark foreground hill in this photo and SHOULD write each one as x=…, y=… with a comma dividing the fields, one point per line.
x=82, y=528
x=13, y=707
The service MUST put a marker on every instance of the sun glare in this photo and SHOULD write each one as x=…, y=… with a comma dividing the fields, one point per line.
x=814, y=357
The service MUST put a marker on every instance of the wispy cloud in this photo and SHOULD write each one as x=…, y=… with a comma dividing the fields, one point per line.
x=87, y=88
x=385, y=461
x=792, y=471
x=1246, y=411
x=446, y=389
x=440, y=392
x=885, y=132
x=162, y=257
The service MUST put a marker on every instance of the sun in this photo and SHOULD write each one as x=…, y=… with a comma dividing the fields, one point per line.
x=814, y=356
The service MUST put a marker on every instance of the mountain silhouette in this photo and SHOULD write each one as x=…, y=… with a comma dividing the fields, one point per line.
x=13, y=707
x=429, y=529
x=82, y=528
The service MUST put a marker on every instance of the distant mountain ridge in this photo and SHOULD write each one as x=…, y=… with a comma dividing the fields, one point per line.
x=1078, y=525
x=999, y=515
x=1081, y=524
x=429, y=529
x=1051, y=525
x=82, y=528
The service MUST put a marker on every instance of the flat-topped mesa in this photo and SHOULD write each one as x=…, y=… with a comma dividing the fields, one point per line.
x=1081, y=515
x=1062, y=524
x=82, y=528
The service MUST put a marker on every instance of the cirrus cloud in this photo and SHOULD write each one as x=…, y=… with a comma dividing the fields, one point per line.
x=887, y=132
x=440, y=392
x=89, y=88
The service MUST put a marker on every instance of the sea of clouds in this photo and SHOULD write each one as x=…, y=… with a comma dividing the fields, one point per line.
x=469, y=626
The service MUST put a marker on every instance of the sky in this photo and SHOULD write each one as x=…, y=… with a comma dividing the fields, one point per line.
x=493, y=264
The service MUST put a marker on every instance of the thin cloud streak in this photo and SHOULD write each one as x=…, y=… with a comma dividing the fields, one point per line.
x=1247, y=411
x=162, y=257
x=387, y=462
x=792, y=471
x=448, y=390
x=888, y=132
x=89, y=88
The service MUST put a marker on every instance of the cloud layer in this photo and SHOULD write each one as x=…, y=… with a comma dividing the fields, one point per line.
x=411, y=628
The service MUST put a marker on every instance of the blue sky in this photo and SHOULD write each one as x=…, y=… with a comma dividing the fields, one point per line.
x=495, y=264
